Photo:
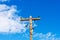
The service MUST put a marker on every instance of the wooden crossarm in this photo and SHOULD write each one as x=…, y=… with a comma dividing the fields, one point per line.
x=27, y=19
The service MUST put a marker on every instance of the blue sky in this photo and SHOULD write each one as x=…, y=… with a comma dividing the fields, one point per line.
x=48, y=10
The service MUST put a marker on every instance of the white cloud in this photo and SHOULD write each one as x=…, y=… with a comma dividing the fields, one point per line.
x=41, y=36
x=4, y=0
x=9, y=21
x=48, y=36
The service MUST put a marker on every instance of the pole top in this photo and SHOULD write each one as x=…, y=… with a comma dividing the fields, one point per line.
x=30, y=16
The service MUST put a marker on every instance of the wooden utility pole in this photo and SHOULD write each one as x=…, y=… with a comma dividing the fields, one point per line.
x=30, y=27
